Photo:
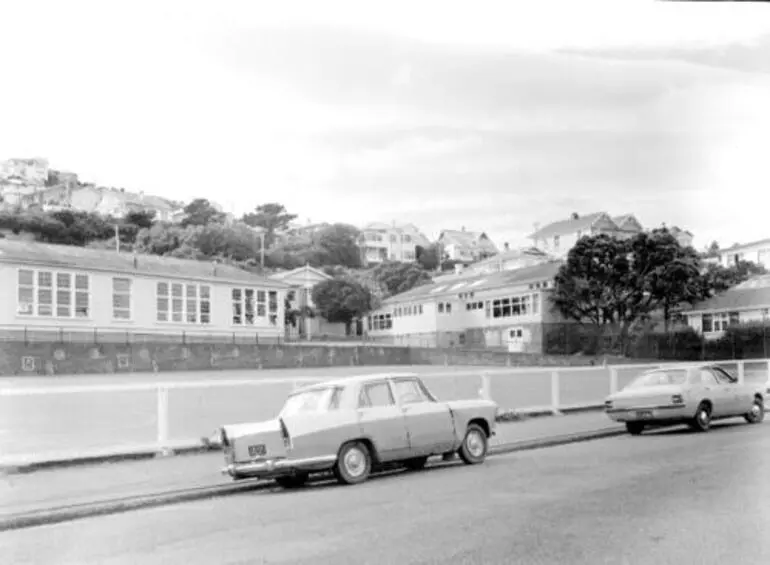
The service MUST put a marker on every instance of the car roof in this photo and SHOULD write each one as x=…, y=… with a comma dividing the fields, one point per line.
x=355, y=379
x=683, y=366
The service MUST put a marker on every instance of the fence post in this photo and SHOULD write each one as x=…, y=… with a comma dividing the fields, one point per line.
x=613, y=379
x=486, y=387
x=162, y=440
x=555, y=399
x=741, y=372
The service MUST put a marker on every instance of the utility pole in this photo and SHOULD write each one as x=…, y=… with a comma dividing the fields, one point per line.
x=117, y=238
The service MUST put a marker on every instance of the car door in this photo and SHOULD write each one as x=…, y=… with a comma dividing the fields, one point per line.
x=742, y=395
x=430, y=423
x=382, y=420
x=721, y=396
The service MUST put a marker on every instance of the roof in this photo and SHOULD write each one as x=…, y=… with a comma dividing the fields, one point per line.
x=738, y=246
x=467, y=239
x=103, y=260
x=568, y=226
x=754, y=293
x=299, y=270
x=356, y=379
x=519, y=253
x=478, y=282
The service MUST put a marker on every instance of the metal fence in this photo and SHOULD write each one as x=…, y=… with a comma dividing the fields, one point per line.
x=61, y=420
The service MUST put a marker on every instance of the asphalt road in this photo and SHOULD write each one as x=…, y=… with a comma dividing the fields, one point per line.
x=669, y=497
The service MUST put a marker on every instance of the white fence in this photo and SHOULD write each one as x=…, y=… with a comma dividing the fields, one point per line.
x=61, y=421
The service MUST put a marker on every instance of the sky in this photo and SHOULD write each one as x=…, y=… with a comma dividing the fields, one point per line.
x=495, y=118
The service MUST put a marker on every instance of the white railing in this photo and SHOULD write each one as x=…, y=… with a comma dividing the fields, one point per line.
x=62, y=421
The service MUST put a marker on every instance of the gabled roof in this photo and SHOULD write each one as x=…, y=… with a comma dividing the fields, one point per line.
x=739, y=246
x=754, y=293
x=520, y=253
x=299, y=271
x=467, y=239
x=478, y=282
x=30, y=253
x=569, y=226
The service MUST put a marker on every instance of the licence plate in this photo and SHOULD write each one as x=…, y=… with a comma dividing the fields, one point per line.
x=643, y=413
x=257, y=450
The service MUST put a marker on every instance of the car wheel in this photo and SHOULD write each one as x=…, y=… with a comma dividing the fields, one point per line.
x=702, y=420
x=474, y=447
x=416, y=463
x=757, y=413
x=634, y=428
x=354, y=463
x=292, y=481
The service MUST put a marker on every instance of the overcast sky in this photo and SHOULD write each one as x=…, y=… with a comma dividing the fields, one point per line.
x=493, y=117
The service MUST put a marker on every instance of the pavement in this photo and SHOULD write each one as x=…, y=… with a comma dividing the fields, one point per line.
x=668, y=497
x=89, y=485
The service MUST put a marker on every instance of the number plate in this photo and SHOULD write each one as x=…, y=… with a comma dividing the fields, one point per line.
x=643, y=414
x=257, y=450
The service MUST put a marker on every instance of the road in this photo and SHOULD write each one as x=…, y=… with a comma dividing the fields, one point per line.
x=668, y=497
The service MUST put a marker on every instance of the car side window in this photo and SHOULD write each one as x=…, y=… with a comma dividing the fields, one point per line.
x=723, y=377
x=375, y=395
x=707, y=377
x=408, y=391
x=334, y=401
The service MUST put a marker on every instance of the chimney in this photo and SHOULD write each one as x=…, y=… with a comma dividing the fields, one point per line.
x=575, y=216
x=506, y=247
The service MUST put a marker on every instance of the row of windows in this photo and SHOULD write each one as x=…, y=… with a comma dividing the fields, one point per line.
x=410, y=310
x=380, y=322
x=444, y=307
x=514, y=306
x=50, y=294
x=719, y=322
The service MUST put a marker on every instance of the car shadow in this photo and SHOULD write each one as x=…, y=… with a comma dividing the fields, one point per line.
x=682, y=429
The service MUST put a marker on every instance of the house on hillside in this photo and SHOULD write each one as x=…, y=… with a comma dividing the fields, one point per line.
x=559, y=237
x=381, y=242
x=300, y=298
x=466, y=246
x=59, y=288
x=508, y=310
x=509, y=260
x=744, y=303
x=118, y=202
x=756, y=251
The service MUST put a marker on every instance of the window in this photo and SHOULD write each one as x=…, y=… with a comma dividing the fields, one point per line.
x=312, y=401
x=375, y=395
x=382, y=322
x=707, y=323
x=408, y=391
x=248, y=305
x=273, y=306
x=53, y=294
x=291, y=296
x=723, y=377
x=440, y=307
x=535, y=303
x=658, y=377
x=182, y=303
x=556, y=241
x=707, y=377
x=121, y=298
x=526, y=307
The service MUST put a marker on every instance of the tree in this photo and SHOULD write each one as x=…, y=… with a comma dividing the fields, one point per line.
x=339, y=243
x=200, y=212
x=272, y=217
x=428, y=257
x=612, y=283
x=396, y=277
x=719, y=278
x=341, y=301
x=235, y=243
x=139, y=218
x=67, y=227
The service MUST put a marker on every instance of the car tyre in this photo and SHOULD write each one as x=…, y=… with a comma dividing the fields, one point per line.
x=757, y=413
x=354, y=463
x=701, y=422
x=416, y=463
x=474, y=447
x=635, y=428
x=292, y=481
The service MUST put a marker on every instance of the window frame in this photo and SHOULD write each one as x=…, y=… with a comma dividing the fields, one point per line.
x=183, y=298
x=129, y=293
x=72, y=289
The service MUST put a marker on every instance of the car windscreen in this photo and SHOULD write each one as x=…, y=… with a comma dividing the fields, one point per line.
x=310, y=401
x=657, y=378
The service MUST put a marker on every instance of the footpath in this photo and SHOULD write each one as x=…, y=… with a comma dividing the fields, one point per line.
x=45, y=490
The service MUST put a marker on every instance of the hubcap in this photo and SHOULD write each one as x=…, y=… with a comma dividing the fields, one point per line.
x=475, y=443
x=756, y=409
x=355, y=462
x=703, y=416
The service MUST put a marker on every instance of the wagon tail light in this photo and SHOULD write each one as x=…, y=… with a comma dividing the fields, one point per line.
x=677, y=399
x=285, y=435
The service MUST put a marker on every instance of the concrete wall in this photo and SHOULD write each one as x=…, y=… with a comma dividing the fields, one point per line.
x=18, y=358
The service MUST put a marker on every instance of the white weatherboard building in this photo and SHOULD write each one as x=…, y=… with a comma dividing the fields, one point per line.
x=499, y=310
x=53, y=287
x=756, y=251
x=744, y=303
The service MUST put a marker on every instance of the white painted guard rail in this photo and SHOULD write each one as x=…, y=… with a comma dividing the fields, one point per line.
x=61, y=420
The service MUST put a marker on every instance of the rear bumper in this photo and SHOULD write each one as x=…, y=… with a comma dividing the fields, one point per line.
x=276, y=467
x=665, y=413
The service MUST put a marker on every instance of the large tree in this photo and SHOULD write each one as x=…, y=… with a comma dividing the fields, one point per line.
x=341, y=301
x=395, y=277
x=428, y=257
x=609, y=283
x=272, y=217
x=721, y=278
x=67, y=227
x=201, y=212
x=339, y=243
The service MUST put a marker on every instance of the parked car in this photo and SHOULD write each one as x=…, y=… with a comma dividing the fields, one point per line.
x=695, y=394
x=353, y=425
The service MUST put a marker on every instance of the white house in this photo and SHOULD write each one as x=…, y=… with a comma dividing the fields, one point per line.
x=559, y=237
x=744, y=303
x=381, y=242
x=506, y=309
x=509, y=260
x=301, y=282
x=756, y=251
x=466, y=246
x=53, y=288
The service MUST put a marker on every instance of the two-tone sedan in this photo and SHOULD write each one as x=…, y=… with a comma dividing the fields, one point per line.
x=353, y=425
x=693, y=394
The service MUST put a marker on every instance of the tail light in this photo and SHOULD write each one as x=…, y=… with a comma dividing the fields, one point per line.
x=608, y=404
x=286, y=436
x=223, y=438
x=677, y=399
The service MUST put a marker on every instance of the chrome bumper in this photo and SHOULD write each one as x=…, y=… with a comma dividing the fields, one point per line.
x=649, y=413
x=269, y=467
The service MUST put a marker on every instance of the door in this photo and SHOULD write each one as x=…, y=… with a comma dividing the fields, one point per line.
x=742, y=398
x=383, y=421
x=430, y=424
x=721, y=396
